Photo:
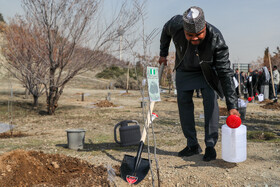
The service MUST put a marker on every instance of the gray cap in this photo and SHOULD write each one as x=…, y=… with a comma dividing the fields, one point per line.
x=194, y=20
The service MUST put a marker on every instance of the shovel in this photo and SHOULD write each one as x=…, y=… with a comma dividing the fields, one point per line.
x=272, y=81
x=134, y=169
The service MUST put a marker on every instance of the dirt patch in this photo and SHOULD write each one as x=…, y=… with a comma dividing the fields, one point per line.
x=126, y=94
x=13, y=135
x=265, y=101
x=28, y=168
x=271, y=105
x=105, y=103
x=171, y=100
x=223, y=111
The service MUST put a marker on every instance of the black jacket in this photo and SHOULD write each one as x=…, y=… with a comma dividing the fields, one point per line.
x=214, y=58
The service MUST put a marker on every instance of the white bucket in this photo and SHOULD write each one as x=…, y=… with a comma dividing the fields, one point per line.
x=260, y=97
x=234, y=144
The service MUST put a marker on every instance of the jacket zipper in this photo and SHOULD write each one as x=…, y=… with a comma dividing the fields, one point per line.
x=200, y=62
x=182, y=58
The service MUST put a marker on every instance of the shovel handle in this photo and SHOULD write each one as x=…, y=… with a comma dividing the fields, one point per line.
x=148, y=121
x=143, y=138
x=272, y=81
x=161, y=68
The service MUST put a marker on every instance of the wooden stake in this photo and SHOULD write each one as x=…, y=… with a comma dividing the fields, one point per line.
x=148, y=121
x=272, y=81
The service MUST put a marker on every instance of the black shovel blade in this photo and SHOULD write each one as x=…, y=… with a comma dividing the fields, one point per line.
x=128, y=166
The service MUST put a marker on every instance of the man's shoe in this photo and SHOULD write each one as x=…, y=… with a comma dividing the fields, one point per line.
x=189, y=151
x=210, y=154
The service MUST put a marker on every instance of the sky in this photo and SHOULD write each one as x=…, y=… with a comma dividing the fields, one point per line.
x=248, y=26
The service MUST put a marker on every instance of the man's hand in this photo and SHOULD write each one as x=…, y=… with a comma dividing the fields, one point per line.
x=162, y=60
x=234, y=112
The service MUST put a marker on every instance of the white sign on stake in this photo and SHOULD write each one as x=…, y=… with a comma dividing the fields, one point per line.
x=153, y=83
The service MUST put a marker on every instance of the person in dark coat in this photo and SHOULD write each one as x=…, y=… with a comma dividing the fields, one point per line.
x=237, y=77
x=201, y=63
x=249, y=84
x=255, y=80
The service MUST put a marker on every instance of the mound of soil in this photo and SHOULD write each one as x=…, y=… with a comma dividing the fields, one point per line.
x=13, y=135
x=28, y=168
x=105, y=103
x=271, y=105
x=265, y=101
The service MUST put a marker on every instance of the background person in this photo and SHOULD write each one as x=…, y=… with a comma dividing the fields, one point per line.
x=236, y=75
x=276, y=79
x=264, y=82
x=250, y=82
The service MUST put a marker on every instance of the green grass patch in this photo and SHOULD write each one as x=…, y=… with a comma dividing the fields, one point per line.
x=101, y=138
x=262, y=136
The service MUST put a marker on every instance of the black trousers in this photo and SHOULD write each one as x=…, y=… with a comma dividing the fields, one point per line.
x=250, y=89
x=211, y=116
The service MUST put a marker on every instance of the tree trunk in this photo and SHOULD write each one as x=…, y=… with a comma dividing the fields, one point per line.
x=50, y=101
x=26, y=93
x=52, y=91
x=127, y=80
x=53, y=102
x=53, y=98
x=169, y=86
x=35, y=101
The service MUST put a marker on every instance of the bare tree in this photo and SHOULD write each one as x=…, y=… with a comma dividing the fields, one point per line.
x=1, y=18
x=275, y=59
x=265, y=58
x=147, y=39
x=28, y=68
x=64, y=46
x=260, y=62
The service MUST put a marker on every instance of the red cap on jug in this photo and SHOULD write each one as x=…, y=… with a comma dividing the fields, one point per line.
x=249, y=99
x=233, y=121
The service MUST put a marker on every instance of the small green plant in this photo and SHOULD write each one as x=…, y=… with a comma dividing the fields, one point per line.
x=259, y=135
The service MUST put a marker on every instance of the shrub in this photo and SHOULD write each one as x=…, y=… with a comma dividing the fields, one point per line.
x=121, y=83
x=114, y=72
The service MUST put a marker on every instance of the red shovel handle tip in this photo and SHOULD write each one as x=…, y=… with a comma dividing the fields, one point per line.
x=131, y=179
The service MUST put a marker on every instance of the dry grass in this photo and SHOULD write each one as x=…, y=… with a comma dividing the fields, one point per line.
x=47, y=133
